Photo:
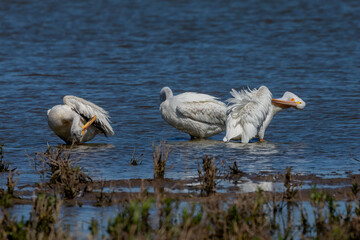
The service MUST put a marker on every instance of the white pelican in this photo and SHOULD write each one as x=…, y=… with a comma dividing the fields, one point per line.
x=251, y=111
x=199, y=115
x=78, y=121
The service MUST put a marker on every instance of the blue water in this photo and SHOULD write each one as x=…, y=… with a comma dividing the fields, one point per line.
x=119, y=54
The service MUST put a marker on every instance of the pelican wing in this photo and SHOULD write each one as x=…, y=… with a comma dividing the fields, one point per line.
x=246, y=113
x=88, y=110
x=211, y=112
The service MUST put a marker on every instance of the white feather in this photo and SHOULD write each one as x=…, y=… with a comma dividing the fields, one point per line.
x=250, y=112
x=246, y=113
x=89, y=110
x=197, y=114
x=67, y=120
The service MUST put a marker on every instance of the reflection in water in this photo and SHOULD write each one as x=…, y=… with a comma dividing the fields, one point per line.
x=86, y=147
x=257, y=148
x=266, y=186
x=197, y=143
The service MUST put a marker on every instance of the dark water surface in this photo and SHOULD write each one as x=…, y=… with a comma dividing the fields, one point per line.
x=119, y=54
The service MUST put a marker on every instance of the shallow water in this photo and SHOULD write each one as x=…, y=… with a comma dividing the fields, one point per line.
x=119, y=54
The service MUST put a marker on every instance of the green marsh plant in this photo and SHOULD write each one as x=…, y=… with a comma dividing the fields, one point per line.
x=147, y=216
x=132, y=221
x=43, y=222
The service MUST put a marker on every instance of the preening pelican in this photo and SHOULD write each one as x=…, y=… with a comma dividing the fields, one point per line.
x=251, y=111
x=199, y=115
x=78, y=120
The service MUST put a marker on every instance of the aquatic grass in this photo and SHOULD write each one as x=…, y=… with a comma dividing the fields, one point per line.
x=62, y=170
x=166, y=207
x=245, y=217
x=355, y=189
x=353, y=196
x=6, y=200
x=94, y=228
x=136, y=160
x=174, y=219
x=207, y=174
x=291, y=188
x=11, y=182
x=45, y=213
x=329, y=221
x=43, y=222
x=133, y=221
x=192, y=222
x=7, y=196
x=10, y=228
x=353, y=157
x=103, y=198
x=234, y=170
x=160, y=157
x=4, y=166
x=179, y=221
x=147, y=216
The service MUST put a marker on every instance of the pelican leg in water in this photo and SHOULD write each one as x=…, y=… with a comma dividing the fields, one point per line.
x=199, y=115
x=78, y=120
x=250, y=112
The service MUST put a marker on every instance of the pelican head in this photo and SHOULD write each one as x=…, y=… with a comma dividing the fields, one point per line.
x=78, y=133
x=165, y=93
x=289, y=99
x=78, y=120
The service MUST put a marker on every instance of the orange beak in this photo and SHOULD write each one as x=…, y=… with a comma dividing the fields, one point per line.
x=88, y=124
x=283, y=103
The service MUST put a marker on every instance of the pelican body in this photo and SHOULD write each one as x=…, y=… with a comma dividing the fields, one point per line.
x=78, y=120
x=199, y=115
x=250, y=112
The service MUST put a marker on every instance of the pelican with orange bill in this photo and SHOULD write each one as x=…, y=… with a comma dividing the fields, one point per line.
x=78, y=120
x=250, y=112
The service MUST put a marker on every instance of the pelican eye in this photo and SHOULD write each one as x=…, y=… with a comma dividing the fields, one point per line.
x=293, y=100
